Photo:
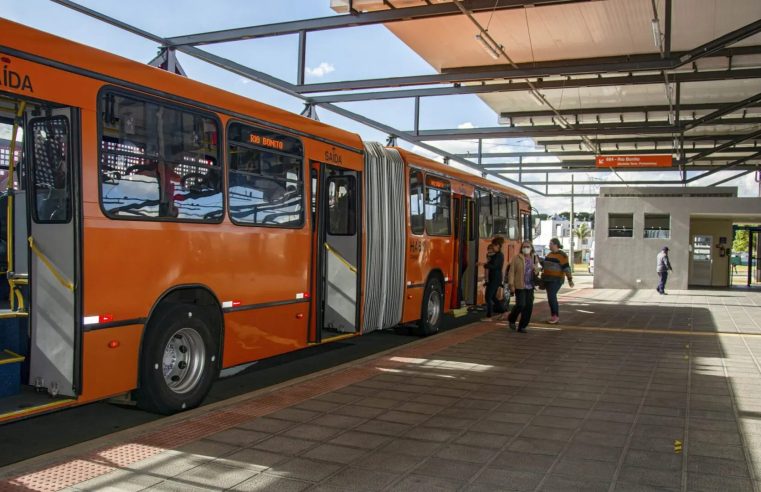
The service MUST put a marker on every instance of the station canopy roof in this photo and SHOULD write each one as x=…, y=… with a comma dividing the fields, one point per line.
x=680, y=77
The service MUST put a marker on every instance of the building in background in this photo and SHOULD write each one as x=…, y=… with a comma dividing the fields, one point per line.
x=634, y=224
x=560, y=227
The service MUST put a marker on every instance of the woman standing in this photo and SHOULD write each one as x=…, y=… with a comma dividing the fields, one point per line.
x=555, y=268
x=520, y=280
x=493, y=277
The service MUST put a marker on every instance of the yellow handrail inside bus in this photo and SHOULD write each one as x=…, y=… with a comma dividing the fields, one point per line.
x=341, y=258
x=55, y=271
x=15, y=293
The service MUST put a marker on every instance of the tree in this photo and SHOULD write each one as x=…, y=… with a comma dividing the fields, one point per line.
x=740, y=243
x=582, y=232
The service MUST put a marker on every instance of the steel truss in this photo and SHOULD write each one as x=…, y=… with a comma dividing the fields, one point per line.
x=545, y=75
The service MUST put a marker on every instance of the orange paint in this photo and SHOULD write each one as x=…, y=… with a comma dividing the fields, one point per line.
x=129, y=265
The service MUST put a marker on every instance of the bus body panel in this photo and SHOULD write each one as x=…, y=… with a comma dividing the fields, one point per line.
x=109, y=361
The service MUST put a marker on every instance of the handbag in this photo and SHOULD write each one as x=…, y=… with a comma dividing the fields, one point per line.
x=537, y=279
x=500, y=293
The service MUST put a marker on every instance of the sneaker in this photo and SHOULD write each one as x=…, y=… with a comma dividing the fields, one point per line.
x=512, y=326
x=553, y=320
x=521, y=330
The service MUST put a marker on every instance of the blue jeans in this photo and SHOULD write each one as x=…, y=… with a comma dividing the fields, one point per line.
x=552, y=287
x=664, y=276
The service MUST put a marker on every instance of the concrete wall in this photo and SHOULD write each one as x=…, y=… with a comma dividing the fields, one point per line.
x=621, y=262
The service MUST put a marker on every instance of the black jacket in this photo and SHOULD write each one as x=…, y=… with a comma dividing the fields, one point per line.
x=495, y=266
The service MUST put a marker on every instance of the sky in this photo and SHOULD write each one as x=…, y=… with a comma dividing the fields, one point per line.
x=334, y=55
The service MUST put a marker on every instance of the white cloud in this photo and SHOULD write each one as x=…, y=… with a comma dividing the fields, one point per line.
x=320, y=70
x=465, y=125
x=244, y=80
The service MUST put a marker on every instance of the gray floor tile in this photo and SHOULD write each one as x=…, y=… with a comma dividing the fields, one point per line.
x=448, y=469
x=424, y=483
x=360, y=479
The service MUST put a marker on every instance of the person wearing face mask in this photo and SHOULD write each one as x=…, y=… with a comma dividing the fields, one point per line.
x=555, y=268
x=520, y=280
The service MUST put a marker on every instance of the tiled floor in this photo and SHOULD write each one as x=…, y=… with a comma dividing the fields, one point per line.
x=639, y=406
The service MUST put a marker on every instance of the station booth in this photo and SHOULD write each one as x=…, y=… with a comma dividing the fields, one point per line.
x=698, y=225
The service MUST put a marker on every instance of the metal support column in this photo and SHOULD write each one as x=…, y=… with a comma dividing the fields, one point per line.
x=573, y=222
x=300, y=69
x=417, y=116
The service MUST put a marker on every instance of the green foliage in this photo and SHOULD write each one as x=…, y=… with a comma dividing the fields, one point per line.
x=582, y=232
x=741, y=242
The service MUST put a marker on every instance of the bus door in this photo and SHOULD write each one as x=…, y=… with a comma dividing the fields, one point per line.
x=461, y=250
x=469, y=245
x=337, y=252
x=52, y=184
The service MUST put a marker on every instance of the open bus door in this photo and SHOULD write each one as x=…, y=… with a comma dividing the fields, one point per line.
x=44, y=236
x=337, y=249
x=54, y=261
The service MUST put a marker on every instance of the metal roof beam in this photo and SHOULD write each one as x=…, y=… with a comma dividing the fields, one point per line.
x=457, y=89
x=355, y=20
x=587, y=170
x=720, y=43
x=724, y=110
x=570, y=153
x=626, y=63
x=726, y=167
x=738, y=139
x=554, y=130
x=732, y=178
x=627, y=109
x=635, y=140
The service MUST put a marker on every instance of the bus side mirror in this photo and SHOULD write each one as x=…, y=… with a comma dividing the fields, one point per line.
x=537, y=227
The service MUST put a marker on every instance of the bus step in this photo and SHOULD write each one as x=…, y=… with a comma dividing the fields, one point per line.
x=9, y=313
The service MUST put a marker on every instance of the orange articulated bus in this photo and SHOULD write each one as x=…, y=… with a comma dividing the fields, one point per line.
x=160, y=231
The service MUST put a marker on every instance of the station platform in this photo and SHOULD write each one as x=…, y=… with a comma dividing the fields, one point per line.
x=633, y=391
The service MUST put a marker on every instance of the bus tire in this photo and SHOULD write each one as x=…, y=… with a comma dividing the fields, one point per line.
x=432, y=308
x=180, y=360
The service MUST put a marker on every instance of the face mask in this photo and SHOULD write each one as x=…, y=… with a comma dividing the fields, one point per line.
x=526, y=251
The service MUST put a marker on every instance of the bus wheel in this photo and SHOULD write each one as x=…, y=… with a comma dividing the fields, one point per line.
x=432, y=308
x=179, y=361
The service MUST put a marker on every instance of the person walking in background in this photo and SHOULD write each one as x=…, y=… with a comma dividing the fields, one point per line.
x=520, y=281
x=494, y=277
x=555, y=269
x=663, y=267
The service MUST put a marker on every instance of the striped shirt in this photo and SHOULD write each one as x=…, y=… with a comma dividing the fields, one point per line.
x=555, y=266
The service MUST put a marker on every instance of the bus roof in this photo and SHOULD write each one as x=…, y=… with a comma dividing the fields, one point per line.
x=453, y=172
x=101, y=63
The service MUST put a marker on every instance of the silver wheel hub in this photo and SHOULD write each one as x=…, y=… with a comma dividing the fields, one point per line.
x=184, y=361
x=434, y=308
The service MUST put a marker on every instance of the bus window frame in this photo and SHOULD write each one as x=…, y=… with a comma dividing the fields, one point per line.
x=302, y=181
x=186, y=105
x=478, y=195
x=422, y=173
x=448, y=191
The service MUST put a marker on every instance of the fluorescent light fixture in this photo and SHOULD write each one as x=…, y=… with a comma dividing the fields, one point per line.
x=672, y=118
x=505, y=119
x=537, y=97
x=656, y=33
x=487, y=47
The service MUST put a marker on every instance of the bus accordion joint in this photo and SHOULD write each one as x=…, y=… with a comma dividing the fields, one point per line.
x=46, y=261
x=340, y=258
